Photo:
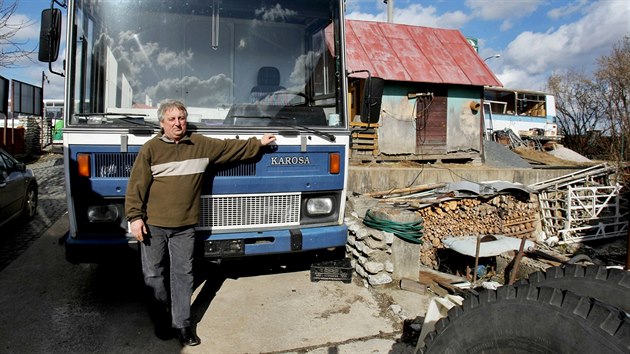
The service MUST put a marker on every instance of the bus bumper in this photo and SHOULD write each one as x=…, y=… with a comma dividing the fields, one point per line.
x=274, y=242
x=102, y=250
x=99, y=250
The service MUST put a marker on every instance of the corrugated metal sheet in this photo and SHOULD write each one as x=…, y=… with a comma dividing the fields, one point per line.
x=414, y=54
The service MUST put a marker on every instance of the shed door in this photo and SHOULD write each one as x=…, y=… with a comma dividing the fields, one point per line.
x=431, y=125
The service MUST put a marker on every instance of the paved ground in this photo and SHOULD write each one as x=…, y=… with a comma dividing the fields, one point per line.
x=50, y=306
x=63, y=308
x=17, y=236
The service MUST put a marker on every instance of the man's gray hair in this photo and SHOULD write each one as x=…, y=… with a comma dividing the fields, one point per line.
x=167, y=105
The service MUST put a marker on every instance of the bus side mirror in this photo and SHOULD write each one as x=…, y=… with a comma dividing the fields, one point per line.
x=50, y=35
x=372, y=98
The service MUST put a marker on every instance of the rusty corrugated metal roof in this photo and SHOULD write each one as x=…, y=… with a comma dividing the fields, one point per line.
x=412, y=53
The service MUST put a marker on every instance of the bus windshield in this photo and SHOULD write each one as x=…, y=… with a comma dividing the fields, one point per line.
x=233, y=63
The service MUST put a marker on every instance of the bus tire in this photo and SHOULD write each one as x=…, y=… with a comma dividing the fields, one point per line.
x=528, y=319
x=608, y=285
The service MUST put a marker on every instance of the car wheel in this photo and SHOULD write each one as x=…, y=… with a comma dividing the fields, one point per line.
x=30, y=203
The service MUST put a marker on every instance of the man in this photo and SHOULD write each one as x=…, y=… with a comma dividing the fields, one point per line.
x=162, y=207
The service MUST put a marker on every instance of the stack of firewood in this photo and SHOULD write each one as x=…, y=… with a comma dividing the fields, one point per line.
x=500, y=215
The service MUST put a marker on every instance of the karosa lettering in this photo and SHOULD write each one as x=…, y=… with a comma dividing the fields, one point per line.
x=290, y=160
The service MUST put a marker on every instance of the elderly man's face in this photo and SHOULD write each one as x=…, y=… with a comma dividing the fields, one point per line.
x=174, y=124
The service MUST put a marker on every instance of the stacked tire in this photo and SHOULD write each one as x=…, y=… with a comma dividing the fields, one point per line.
x=569, y=309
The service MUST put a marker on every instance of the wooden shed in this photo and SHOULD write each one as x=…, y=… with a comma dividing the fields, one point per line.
x=434, y=82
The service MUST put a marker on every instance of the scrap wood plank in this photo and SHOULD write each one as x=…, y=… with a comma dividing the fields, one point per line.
x=364, y=147
x=437, y=289
x=413, y=286
x=413, y=189
x=361, y=124
x=356, y=135
x=364, y=141
x=427, y=276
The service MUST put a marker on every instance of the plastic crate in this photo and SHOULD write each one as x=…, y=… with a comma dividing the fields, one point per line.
x=338, y=270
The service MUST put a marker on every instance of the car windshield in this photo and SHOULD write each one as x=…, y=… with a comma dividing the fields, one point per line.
x=226, y=60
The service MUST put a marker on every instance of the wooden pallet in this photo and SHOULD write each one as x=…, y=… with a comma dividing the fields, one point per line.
x=364, y=137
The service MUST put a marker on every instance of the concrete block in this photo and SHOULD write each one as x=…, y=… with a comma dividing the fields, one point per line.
x=406, y=259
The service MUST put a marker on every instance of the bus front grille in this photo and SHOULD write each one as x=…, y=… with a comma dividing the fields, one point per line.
x=222, y=212
x=113, y=165
x=118, y=165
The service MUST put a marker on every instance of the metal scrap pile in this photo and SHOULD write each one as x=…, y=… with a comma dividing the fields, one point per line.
x=584, y=205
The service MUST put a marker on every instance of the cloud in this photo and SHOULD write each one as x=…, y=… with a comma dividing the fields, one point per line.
x=506, y=25
x=304, y=66
x=196, y=92
x=274, y=13
x=417, y=15
x=533, y=55
x=500, y=10
x=136, y=59
x=380, y=17
x=29, y=29
x=567, y=10
x=169, y=59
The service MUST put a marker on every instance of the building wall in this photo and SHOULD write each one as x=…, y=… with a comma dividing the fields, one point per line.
x=397, y=133
x=464, y=123
x=437, y=124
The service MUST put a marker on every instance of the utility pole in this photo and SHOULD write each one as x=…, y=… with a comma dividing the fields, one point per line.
x=390, y=10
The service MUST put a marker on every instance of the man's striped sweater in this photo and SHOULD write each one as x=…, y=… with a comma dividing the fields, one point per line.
x=165, y=184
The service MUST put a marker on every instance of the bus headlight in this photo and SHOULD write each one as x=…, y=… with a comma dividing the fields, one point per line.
x=319, y=206
x=102, y=213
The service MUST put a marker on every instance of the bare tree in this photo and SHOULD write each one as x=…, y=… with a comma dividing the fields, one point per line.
x=12, y=52
x=614, y=74
x=580, y=111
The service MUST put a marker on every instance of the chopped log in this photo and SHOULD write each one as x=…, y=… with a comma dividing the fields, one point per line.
x=501, y=215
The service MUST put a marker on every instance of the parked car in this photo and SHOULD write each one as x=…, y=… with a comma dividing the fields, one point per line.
x=18, y=190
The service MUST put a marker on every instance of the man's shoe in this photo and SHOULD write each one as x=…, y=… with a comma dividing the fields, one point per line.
x=187, y=337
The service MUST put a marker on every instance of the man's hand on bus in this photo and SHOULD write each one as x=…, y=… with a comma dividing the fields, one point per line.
x=138, y=229
x=267, y=139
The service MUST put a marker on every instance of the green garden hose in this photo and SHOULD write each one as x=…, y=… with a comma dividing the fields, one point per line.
x=408, y=231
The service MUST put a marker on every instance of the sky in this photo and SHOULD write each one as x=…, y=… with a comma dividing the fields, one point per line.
x=534, y=38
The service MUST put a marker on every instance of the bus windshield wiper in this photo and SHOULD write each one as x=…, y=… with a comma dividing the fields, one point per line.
x=319, y=133
x=280, y=120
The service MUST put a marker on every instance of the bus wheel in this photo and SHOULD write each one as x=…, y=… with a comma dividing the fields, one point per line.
x=608, y=285
x=528, y=319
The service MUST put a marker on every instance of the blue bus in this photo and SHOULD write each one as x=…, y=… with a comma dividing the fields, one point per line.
x=526, y=113
x=242, y=68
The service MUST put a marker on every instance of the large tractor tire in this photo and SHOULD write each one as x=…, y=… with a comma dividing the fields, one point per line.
x=608, y=285
x=528, y=319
